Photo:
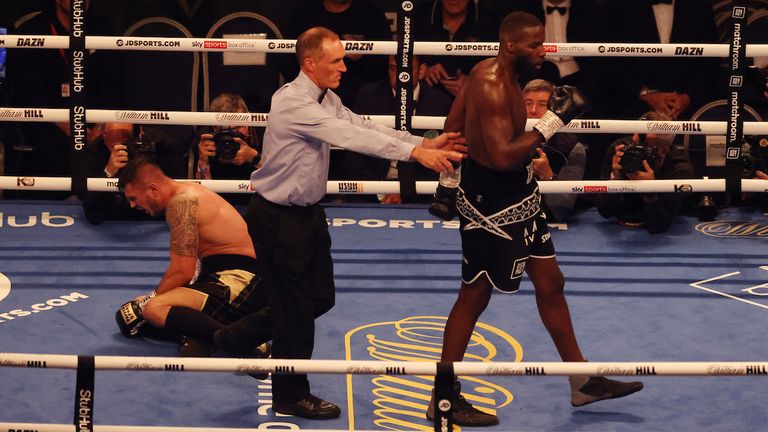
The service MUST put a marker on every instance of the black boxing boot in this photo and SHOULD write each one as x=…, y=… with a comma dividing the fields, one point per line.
x=587, y=389
x=464, y=414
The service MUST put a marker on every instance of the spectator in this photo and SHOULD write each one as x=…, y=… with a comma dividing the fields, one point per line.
x=671, y=85
x=40, y=78
x=240, y=155
x=563, y=157
x=663, y=160
x=454, y=21
x=579, y=21
x=107, y=153
x=379, y=98
x=352, y=20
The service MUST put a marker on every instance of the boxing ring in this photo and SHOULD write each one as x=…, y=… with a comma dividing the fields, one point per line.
x=696, y=294
x=665, y=308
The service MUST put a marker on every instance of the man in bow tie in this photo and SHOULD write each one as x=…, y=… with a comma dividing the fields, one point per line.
x=676, y=86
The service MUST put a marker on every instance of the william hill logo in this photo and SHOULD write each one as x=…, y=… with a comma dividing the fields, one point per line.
x=397, y=402
x=159, y=115
x=756, y=370
x=733, y=229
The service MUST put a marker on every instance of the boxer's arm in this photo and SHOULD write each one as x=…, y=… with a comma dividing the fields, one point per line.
x=505, y=149
x=181, y=216
x=454, y=121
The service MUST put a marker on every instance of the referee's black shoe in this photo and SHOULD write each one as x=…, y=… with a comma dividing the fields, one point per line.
x=311, y=407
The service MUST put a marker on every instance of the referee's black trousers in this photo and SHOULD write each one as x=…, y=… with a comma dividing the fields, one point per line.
x=294, y=247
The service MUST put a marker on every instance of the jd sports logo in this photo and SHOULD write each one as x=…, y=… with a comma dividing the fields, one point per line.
x=5, y=286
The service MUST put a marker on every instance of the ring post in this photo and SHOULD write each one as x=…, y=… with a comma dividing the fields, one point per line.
x=77, y=97
x=735, y=132
x=444, y=397
x=404, y=86
x=86, y=376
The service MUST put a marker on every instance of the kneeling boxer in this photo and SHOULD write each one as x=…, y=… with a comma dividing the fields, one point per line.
x=202, y=226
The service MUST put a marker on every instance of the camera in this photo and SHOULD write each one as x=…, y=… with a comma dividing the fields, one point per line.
x=754, y=157
x=635, y=154
x=226, y=146
x=138, y=149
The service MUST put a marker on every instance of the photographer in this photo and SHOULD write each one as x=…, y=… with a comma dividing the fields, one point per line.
x=228, y=152
x=644, y=157
x=110, y=147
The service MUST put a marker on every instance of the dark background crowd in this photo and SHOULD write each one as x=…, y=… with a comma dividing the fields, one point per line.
x=618, y=87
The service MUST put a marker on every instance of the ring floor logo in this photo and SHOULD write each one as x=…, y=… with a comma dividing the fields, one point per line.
x=398, y=402
x=5, y=286
x=739, y=286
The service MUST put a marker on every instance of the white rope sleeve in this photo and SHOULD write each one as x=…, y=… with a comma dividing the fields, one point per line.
x=422, y=187
x=418, y=122
x=575, y=49
x=359, y=367
x=46, y=427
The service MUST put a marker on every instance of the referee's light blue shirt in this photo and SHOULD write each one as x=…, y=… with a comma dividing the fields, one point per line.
x=298, y=139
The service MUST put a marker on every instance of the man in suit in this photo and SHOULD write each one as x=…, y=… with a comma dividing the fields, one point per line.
x=353, y=20
x=378, y=98
x=454, y=21
x=672, y=85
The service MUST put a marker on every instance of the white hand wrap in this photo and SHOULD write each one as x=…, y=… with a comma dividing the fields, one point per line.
x=548, y=125
x=144, y=300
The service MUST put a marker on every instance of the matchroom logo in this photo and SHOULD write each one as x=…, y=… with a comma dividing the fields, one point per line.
x=399, y=402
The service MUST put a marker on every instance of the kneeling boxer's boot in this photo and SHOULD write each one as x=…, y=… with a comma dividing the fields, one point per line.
x=464, y=414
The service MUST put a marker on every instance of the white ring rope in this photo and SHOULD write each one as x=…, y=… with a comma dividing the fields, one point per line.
x=418, y=122
x=290, y=366
x=48, y=427
x=572, y=49
x=352, y=187
x=422, y=187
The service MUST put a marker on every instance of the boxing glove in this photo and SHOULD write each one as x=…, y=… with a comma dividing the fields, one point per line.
x=130, y=316
x=444, y=203
x=565, y=104
x=130, y=319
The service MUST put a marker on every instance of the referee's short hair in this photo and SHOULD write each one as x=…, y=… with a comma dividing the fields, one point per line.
x=310, y=42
